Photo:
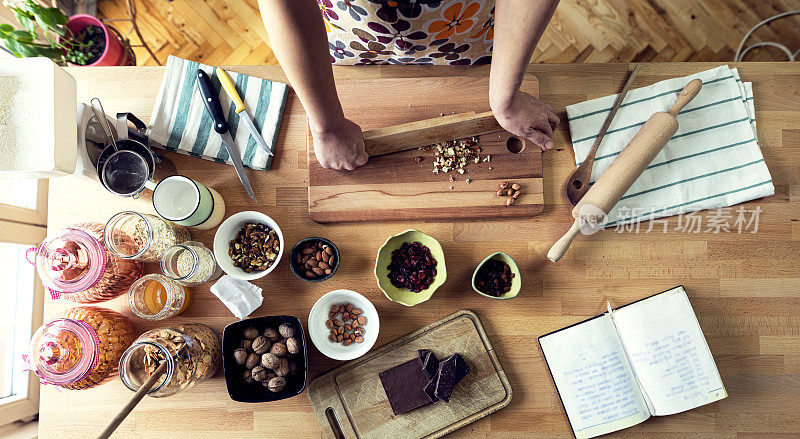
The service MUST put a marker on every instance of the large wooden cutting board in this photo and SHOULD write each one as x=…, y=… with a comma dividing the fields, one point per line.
x=352, y=397
x=396, y=187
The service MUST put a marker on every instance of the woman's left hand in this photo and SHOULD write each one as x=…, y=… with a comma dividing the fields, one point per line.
x=524, y=115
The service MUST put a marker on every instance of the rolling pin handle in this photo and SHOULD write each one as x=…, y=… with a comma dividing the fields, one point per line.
x=687, y=94
x=560, y=247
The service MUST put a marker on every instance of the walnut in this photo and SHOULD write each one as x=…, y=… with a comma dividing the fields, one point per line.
x=278, y=349
x=240, y=355
x=270, y=361
x=276, y=384
x=252, y=360
x=247, y=345
x=250, y=333
x=283, y=368
x=293, y=345
x=286, y=330
x=248, y=377
x=259, y=373
x=260, y=345
x=271, y=334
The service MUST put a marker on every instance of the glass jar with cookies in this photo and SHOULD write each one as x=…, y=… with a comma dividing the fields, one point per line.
x=192, y=351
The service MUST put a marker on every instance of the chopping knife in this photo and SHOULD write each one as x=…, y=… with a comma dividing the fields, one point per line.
x=625, y=169
x=211, y=100
x=578, y=182
x=230, y=89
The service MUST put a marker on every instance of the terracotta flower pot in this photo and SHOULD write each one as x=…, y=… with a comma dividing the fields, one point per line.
x=113, y=55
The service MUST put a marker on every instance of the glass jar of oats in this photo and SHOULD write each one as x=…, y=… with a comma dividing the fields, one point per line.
x=81, y=348
x=141, y=236
x=190, y=264
x=192, y=351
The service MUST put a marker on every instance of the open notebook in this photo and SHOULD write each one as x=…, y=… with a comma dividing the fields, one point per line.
x=647, y=358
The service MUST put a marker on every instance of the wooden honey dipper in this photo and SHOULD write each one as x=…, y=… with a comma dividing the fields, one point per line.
x=625, y=169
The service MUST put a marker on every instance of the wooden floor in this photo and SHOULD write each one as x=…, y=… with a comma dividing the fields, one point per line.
x=231, y=32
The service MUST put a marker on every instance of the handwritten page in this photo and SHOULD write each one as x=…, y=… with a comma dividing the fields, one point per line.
x=594, y=379
x=668, y=352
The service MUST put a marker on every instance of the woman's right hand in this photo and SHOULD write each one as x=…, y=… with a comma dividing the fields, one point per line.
x=340, y=147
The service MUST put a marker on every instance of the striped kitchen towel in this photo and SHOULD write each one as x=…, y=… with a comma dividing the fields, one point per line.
x=181, y=123
x=713, y=161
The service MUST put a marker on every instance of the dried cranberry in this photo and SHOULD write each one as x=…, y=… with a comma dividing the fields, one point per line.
x=412, y=267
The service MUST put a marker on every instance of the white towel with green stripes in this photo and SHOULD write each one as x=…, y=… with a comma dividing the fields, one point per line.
x=713, y=161
x=181, y=123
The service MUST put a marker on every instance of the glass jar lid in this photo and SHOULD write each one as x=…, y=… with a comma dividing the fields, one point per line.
x=63, y=351
x=71, y=261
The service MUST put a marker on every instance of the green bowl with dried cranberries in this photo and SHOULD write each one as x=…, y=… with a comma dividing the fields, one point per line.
x=405, y=295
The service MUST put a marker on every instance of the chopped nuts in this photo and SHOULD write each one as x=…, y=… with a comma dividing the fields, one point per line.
x=255, y=247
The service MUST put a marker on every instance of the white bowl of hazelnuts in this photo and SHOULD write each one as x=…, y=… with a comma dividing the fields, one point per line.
x=264, y=358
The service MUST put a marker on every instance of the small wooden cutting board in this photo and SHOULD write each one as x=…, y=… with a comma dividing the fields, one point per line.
x=396, y=187
x=352, y=397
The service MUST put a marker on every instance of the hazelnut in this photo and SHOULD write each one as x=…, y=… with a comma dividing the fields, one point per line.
x=286, y=330
x=248, y=377
x=283, y=368
x=276, y=384
x=240, y=355
x=260, y=345
x=259, y=373
x=293, y=345
x=250, y=333
x=252, y=360
x=270, y=361
x=247, y=345
x=278, y=349
x=271, y=334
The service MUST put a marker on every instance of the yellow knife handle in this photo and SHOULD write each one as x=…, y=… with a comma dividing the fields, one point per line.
x=230, y=89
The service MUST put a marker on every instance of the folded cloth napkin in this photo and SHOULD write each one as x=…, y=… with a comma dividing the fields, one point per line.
x=713, y=161
x=240, y=296
x=181, y=123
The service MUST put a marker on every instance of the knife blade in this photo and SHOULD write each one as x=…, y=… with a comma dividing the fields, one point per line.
x=211, y=101
x=230, y=89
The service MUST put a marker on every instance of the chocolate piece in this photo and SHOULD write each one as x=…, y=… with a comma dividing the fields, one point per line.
x=451, y=370
x=430, y=388
x=429, y=362
x=404, y=385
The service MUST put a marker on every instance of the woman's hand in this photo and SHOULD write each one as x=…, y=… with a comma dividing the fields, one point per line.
x=524, y=115
x=341, y=147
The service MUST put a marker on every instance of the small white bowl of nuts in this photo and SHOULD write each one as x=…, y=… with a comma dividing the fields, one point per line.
x=343, y=325
x=248, y=245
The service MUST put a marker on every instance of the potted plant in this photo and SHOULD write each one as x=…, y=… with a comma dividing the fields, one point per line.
x=80, y=40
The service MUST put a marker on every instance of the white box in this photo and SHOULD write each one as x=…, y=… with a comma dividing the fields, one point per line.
x=40, y=135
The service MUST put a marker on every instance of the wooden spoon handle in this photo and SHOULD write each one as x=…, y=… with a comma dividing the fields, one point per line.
x=135, y=400
x=687, y=94
x=560, y=247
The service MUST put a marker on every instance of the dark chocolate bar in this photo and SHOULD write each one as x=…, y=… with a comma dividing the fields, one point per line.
x=430, y=388
x=429, y=362
x=451, y=370
x=404, y=386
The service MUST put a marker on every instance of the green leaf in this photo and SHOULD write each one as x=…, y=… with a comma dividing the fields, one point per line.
x=20, y=50
x=6, y=28
x=26, y=20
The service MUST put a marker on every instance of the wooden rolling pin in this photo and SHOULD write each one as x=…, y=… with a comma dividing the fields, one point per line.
x=625, y=169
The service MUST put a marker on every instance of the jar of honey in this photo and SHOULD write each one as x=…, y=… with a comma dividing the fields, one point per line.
x=157, y=297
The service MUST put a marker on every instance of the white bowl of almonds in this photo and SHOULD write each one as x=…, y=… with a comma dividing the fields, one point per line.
x=343, y=325
x=242, y=235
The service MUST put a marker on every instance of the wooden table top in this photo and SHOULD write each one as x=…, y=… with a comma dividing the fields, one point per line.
x=745, y=288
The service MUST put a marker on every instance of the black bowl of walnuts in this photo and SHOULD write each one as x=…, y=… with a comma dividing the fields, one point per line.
x=264, y=358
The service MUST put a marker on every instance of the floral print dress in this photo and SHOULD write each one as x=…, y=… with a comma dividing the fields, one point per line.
x=454, y=32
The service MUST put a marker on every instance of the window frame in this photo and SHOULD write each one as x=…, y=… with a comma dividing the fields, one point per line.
x=37, y=216
x=22, y=406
